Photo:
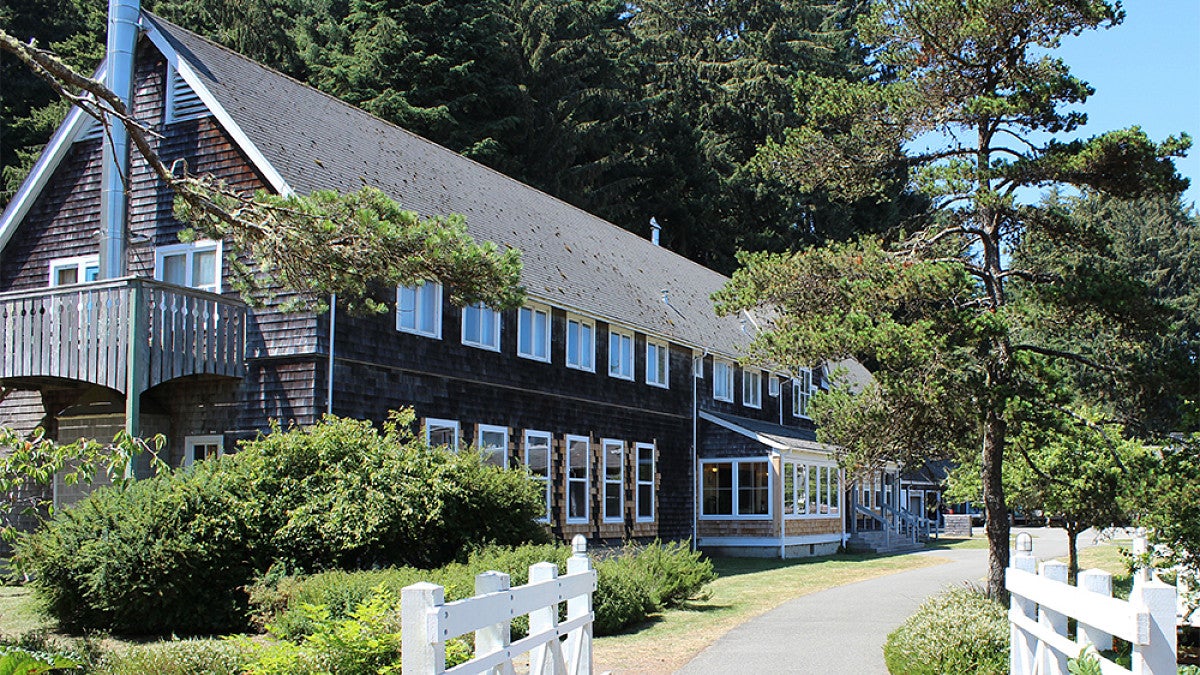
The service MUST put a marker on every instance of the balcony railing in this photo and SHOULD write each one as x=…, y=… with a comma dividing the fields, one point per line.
x=93, y=332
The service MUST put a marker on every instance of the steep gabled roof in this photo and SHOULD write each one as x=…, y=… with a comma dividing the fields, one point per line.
x=311, y=140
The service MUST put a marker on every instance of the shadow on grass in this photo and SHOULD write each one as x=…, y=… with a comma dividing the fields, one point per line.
x=730, y=567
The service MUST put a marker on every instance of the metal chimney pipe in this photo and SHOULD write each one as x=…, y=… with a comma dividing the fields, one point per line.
x=655, y=229
x=122, y=41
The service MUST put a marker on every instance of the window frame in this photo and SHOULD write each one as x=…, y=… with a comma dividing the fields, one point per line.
x=639, y=482
x=498, y=318
x=726, y=379
x=586, y=480
x=773, y=385
x=548, y=478
x=436, y=332
x=664, y=348
x=802, y=389
x=749, y=374
x=617, y=484
x=79, y=263
x=735, y=464
x=480, y=430
x=582, y=322
x=828, y=485
x=189, y=250
x=434, y=421
x=533, y=311
x=624, y=370
x=190, y=443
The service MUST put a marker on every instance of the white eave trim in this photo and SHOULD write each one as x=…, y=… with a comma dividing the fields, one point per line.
x=766, y=440
x=43, y=169
x=223, y=118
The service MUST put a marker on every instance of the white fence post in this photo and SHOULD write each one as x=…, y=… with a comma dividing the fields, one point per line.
x=547, y=658
x=497, y=636
x=1096, y=581
x=1021, y=644
x=1160, y=655
x=1052, y=662
x=421, y=654
x=579, y=641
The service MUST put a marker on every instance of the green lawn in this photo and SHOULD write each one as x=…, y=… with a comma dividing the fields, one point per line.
x=18, y=612
x=746, y=588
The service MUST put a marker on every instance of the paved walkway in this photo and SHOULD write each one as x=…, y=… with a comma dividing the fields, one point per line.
x=842, y=630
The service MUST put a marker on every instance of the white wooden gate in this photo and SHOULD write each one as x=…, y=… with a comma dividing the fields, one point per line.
x=427, y=621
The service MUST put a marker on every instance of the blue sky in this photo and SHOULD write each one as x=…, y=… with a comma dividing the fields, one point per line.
x=1145, y=71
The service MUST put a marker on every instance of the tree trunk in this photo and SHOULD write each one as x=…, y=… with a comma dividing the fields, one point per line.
x=1072, y=551
x=997, y=527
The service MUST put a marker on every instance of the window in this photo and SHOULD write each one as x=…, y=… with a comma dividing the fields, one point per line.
x=579, y=478
x=736, y=489
x=419, y=309
x=581, y=344
x=645, y=482
x=481, y=327
x=200, y=448
x=67, y=271
x=620, y=354
x=441, y=432
x=722, y=380
x=801, y=393
x=533, y=333
x=614, y=480
x=493, y=444
x=811, y=490
x=772, y=386
x=537, y=460
x=752, y=388
x=195, y=265
x=658, y=360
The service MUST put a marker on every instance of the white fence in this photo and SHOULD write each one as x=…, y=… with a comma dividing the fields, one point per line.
x=428, y=622
x=1043, y=601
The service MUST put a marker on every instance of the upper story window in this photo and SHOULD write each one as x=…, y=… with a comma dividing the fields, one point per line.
x=658, y=363
x=772, y=386
x=752, y=388
x=182, y=101
x=481, y=327
x=581, y=343
x=196, y=264
x=67, y=271
x=620, y=354
x=533, y=333
x=419, y=309
x=722, y=380
x=802, y=390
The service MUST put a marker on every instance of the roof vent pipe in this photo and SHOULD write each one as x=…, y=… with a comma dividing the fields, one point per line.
x=122, y=41
x=655, y=228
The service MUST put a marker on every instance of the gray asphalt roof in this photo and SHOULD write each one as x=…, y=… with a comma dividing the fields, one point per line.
x=791, y=437
x=572, y=258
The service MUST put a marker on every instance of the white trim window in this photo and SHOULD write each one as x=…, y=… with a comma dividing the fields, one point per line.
x=772, y=386
x=614, y=480
x=481, y=327
x=802, y=391
x=736, y=489
x=492, y=442
x=658, y=363
x=195, y=265
x=533, y=333
x=723, y=380
x=579, y=478
x=419, y=309
x=644, y=495
x=752, y=388
x=537, y=461
x=620, y=353
x=441, y=432
x=200, y=448
x=581, y=343
x=77, y=270
x=811, y=490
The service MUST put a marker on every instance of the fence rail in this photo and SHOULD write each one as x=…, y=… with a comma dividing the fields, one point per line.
x=89, y=332
x=428, y=622
x=1042, y=603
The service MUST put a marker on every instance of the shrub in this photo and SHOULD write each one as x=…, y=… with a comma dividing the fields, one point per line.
x=28, y=662
x=178, y=657
x=624, y=595
x=679, y=574
x=173, y=553
x=960, y=631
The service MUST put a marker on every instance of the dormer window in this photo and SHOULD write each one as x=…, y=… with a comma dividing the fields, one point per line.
x=182, y=101
x=752, y=388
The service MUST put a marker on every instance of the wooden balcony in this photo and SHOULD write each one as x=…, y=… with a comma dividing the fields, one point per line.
x=95, y=332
